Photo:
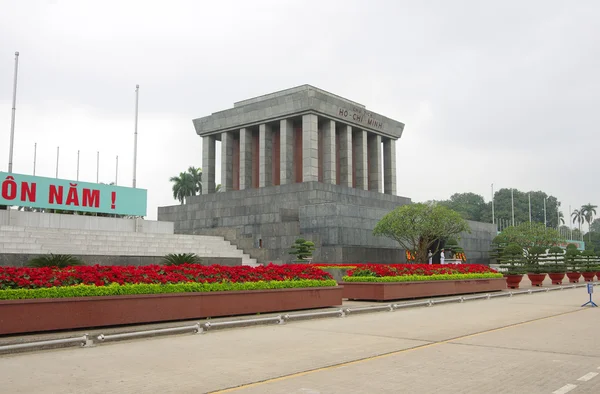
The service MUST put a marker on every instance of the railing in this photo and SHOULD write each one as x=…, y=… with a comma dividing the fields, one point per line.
x=85, y=340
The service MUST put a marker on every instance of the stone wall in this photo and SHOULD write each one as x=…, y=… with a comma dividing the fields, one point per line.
x=477, y=243
x=265, y=222
x=80, y=222
x=20, y=259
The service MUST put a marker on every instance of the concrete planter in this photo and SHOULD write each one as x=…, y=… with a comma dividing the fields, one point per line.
x=21, y=316
x=384, y=291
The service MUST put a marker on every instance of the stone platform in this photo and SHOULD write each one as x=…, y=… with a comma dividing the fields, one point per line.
x=265, y=222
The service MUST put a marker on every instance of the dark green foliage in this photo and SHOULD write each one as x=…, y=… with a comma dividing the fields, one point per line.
x=512, y=259
x=419, y=278
x=302, y=249
x=54, y=260
x=146, y=288
x=181, y=258
x=555, y=260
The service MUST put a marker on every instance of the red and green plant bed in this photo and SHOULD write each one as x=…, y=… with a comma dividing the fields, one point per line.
x=41, y=299
x=401, y=281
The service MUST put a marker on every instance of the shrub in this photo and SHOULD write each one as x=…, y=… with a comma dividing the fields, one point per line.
x=181, y=258
x=54, y=260
x=302, y=249
x=145, y=288
x=420, y=278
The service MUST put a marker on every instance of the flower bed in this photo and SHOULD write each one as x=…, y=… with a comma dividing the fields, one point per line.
x=33, y=278
x=41, y=299
x=401, y=281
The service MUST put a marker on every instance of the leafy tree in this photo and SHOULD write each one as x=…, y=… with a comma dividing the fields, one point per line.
x=503, y=207
x=302, y=249
x=471, y=206
x=419, y=227
x=595, y=226
x=527, y=235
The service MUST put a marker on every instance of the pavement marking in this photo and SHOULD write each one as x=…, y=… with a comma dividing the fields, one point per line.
x=565, y=389
x=588, y=376
x=385, y=355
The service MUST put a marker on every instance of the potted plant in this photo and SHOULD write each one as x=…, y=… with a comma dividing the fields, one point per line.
x=511, y=259
x=556, y=270
x=571, y=261
x=588, y=268
x=535, y=271
x=303, y=249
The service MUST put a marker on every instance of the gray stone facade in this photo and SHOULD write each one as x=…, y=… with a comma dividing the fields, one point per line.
x=265, y=222
x=21, y=259
x=477, y=243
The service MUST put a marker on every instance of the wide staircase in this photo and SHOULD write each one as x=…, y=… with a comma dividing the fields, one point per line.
x=37, y=240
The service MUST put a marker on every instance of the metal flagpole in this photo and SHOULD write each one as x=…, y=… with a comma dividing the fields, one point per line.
x=493, y=219
x=557, y=217
x=57, y=153
x=98, y=167
x=34, y=156
x=135, y=133
x=78, y=166
x=512, y=203
x=570, y=222
x=529, y=207
x=117, y=171
x=12, y=120
x=544, y=212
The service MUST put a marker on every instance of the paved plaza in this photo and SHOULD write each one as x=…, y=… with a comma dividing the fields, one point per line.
x=539, y=343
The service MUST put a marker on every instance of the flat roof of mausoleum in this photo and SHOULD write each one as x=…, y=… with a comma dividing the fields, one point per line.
x=294, y=102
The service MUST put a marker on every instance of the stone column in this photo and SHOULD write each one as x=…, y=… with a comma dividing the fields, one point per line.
x=286, y=151
x=208, y=164
x=226, y=161
x=375, y=163
x=310, y=148
x=345, y=152
x=360, y=150
x=245, y=159
x=389, y=166
x=265, y=156
x=329, y=152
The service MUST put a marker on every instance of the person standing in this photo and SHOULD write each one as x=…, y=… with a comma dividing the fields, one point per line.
x=442, y=257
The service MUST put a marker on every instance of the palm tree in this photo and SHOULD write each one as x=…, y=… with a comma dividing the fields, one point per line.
x=218, y=188
x=196, y=174
x=589, y=211
x=578, y=217
x=184, y=186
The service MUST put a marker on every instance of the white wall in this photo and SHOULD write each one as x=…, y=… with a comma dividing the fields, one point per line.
x=78, y=222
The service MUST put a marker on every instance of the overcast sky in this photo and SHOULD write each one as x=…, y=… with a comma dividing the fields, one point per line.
x=504, y=92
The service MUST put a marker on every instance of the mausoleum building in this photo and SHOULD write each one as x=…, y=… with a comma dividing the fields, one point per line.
x=301, y=162
x=298, y=135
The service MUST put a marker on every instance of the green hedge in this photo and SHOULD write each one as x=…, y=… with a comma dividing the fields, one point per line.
x=143, y=288
x=421, y=278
